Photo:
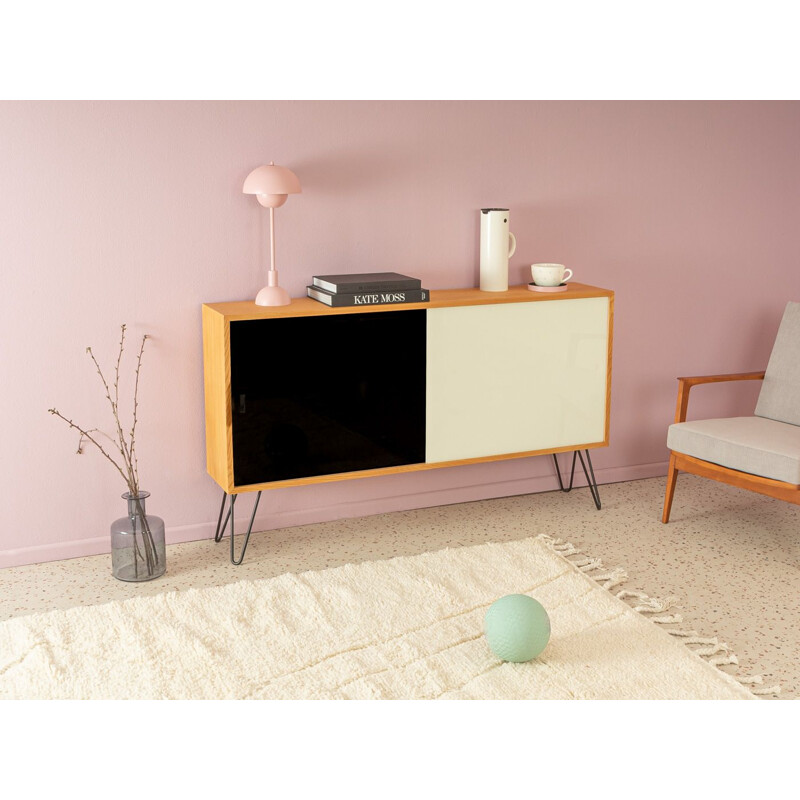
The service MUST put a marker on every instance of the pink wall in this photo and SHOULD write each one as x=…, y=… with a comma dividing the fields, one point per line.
x=117, y=212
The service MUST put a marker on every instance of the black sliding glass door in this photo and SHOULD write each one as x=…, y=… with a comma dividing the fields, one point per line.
x=327, y=394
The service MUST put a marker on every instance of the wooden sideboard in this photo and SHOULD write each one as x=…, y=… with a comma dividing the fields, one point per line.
x=306, y=393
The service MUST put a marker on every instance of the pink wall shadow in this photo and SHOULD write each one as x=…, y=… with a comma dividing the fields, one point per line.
x=118, y=212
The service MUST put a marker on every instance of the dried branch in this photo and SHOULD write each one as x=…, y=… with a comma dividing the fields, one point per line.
x=79, y=451
x=116, y=368
x=126, y=447
x=135, y=409
x=121, y=445
x=88, y=435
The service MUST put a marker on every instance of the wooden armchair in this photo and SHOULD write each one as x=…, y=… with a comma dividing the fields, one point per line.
x=760, y=453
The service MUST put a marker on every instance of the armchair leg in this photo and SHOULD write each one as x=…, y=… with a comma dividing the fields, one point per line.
x=672, y=477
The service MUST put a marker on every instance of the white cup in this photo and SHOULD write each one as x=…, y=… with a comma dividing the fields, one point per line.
x=550, y=274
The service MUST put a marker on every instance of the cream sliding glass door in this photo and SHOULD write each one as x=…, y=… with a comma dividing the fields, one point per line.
x=516, y=377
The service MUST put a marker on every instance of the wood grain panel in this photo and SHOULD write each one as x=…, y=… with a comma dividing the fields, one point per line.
x=608, y=368
x=372, y=473
x=305, y=306
x=216, y=368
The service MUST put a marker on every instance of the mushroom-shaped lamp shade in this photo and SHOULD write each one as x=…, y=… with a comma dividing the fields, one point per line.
x=271, y=184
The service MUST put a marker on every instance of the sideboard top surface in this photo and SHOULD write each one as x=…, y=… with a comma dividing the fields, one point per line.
x=440, y=298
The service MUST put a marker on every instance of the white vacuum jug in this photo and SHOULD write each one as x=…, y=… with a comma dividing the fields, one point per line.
x=497, y=245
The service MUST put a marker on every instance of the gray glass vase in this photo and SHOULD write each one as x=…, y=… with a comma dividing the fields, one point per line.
x=138, y=550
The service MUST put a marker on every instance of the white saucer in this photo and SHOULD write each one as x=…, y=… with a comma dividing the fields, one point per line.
x=561, y=288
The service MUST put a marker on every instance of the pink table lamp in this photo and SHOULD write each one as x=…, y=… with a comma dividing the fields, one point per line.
x=271, y=185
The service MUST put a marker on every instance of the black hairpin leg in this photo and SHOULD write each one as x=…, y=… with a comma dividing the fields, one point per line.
x=230, y=516
x=220, y=531
x=590, y=479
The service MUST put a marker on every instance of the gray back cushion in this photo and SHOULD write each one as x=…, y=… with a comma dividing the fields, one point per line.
x=780, y=395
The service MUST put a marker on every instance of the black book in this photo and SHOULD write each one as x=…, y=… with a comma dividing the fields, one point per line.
x=338, y=300
x=366, y=282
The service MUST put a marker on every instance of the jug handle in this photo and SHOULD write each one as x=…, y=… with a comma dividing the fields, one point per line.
x=513, y=245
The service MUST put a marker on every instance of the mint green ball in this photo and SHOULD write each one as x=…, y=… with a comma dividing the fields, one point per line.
x=517, y=628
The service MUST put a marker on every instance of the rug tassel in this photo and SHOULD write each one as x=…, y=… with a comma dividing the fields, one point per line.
x=752, y=679
x=711, y=650
x=567, y=550
x=611, y=579
x=759, y=679
x=720, y=661
x=650, y=605
x=771, y=690
x=667, y=619
x=588, y=564
x=693, y=638
x=624, y=594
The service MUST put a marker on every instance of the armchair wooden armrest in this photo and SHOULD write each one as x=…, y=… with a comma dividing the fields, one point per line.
x=685, y=385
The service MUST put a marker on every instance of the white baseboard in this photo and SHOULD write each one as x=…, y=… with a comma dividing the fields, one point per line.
x=358, y=508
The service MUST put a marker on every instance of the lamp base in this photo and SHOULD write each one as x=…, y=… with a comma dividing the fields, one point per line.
x=273, y=296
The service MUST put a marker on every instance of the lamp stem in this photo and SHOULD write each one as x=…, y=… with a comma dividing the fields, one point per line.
x=272, y=238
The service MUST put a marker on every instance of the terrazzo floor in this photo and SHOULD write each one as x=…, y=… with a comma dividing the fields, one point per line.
x=733, y=558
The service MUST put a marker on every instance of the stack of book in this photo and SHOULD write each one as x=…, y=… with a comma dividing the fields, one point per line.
x=368, y=289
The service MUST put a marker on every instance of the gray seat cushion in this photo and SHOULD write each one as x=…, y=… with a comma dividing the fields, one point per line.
x=751, y=444
x=780, y=395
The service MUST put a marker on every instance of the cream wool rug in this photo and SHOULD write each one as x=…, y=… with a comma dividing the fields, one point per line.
x=408, y=628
